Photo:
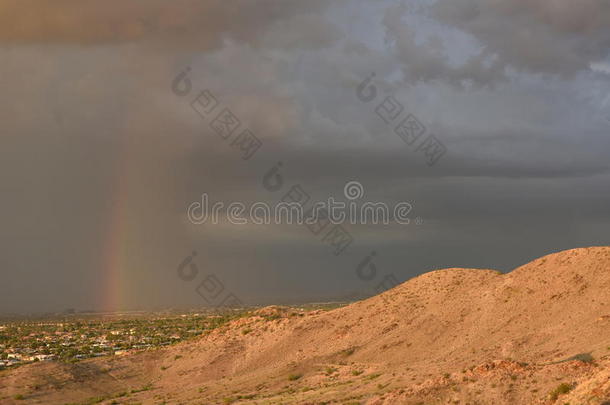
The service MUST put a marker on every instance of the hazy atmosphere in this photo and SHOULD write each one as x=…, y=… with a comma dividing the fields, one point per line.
x=110, y=132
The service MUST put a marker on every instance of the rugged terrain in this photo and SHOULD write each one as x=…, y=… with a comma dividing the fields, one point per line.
x=537, y=335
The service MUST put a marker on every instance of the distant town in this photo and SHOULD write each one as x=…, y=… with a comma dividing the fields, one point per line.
x=73, y=337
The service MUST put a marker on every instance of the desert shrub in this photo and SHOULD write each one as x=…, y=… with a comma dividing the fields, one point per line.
x=348, y=352
x=584, y=357
x=561, y=389
x=330, y=370
x=249, y=396
x=294, y=377
x=95, y=400
x=147, y=387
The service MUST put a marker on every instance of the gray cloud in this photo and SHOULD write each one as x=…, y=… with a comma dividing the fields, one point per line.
x=557, y=37
x=428, y=60
x=550, y=37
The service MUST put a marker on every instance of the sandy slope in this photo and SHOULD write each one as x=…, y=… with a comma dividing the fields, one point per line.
x=449, y=336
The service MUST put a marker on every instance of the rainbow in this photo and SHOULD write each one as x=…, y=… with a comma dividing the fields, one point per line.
x=113, y=294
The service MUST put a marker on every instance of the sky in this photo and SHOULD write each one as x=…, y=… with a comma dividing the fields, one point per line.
x=102, y=151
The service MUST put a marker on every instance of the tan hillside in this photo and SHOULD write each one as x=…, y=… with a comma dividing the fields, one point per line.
x=449, y=336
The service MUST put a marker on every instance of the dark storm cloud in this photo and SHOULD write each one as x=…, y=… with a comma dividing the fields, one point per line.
x=87, y=106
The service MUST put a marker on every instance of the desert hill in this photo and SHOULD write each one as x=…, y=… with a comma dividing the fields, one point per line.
x=537, y=335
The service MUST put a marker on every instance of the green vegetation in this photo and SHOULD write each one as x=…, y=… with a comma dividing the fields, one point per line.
x=95, y=400
x=561, y=389
x=348, y=352
x=330, y=370
x=584, y=357
x=249, y=396
x=19, y=397
x=294, y=377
